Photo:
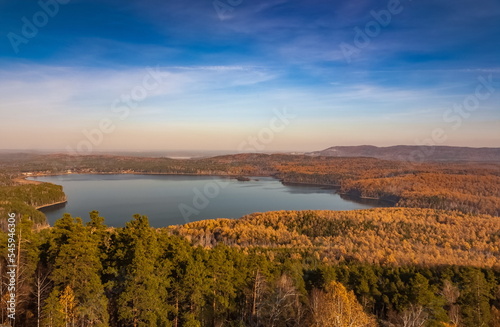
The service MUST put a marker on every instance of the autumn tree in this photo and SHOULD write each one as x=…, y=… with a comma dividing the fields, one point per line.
x=338, y=307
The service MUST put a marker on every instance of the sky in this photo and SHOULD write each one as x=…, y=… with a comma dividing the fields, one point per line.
x=248, y=76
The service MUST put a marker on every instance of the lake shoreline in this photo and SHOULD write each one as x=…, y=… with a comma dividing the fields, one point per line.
x=335, y=187
x=237, y=177
x=196, y=201
x=48, y=205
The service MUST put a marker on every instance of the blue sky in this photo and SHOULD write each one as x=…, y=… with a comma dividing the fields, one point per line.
x=217, y=73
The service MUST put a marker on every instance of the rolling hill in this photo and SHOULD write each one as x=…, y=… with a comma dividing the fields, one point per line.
x=414, y=153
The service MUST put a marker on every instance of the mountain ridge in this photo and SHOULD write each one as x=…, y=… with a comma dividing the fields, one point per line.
x=414, y=153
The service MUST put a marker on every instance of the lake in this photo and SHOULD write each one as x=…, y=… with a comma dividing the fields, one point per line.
x=177, y=199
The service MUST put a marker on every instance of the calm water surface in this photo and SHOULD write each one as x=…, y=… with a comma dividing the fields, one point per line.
x=174, y=199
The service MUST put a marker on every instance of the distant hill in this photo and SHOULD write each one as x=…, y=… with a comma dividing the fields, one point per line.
x=413, y=152
x=401, y=235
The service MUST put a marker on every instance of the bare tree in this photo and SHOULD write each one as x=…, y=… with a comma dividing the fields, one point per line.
x=282, y=307
x=451, y=293
x=259, y=288
x=40, y=291
x=414, y=316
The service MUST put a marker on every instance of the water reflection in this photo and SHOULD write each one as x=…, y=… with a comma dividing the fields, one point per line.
x=162, y=197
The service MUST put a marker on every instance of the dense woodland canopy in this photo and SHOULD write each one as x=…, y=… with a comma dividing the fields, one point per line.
x=202, y=274
x=463, y=186
x=465, y=193
x=398, y=236
x=434, y=260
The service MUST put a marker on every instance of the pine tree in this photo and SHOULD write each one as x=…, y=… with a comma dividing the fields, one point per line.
x=142, y=282
x=188, y=280
x=77, y=268
x=474, y=298
x=424, y=295
x=222, y=291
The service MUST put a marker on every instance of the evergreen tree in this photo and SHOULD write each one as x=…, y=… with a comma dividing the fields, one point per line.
x=142, y=280
x=474, y=298
x=76, y=276
x=188, y=280
x=222, y=293
x=424, y=295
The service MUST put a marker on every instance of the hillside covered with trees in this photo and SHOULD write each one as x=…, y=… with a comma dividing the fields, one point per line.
x=398, y=236
x=25, y=198
x=432, y=260
x=475, y=193
x=416, y=152
x=259, y=271
x=462, y=186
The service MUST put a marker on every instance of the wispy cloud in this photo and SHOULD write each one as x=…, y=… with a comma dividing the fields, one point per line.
x=230, y=74
x=38, y=90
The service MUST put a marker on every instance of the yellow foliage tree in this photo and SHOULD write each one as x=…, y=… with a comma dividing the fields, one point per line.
x=338, y=307
x=68, y=304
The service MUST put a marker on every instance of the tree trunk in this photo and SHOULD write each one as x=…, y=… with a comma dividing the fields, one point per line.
x=176, y=320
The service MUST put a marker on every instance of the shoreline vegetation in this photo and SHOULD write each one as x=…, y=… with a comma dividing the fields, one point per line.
x=48, y=205
x=240, y=178
x=387, y=263
x=435, y=255
x=464, y=187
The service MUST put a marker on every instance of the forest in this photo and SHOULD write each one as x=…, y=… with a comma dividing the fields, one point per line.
x=469, y=187
x=433, y=259
x=25, y=198
x=207, y=274
x=400, y=236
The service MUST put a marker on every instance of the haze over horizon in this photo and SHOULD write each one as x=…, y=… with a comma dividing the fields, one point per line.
x=248, y=75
